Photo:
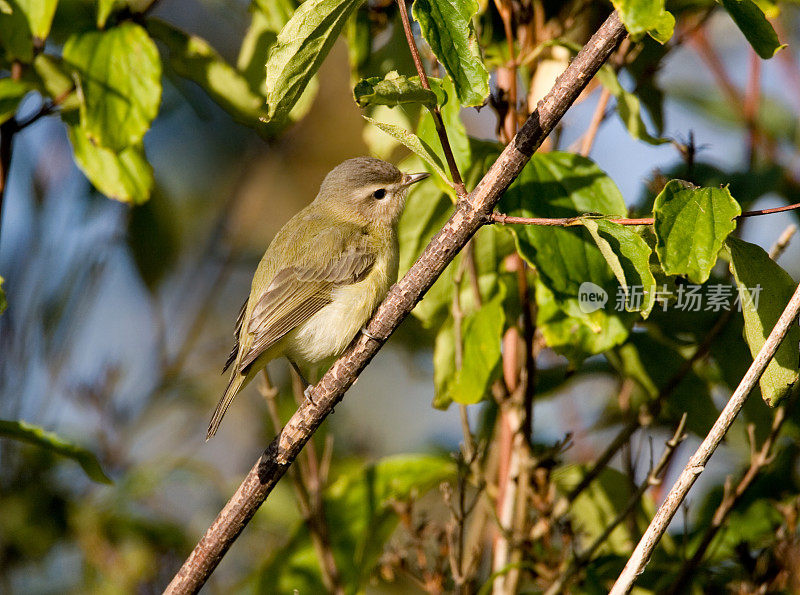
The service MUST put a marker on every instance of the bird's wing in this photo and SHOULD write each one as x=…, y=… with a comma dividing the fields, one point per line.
x=296, y=293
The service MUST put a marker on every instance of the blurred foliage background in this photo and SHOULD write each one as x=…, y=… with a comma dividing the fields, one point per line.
x=120, y=317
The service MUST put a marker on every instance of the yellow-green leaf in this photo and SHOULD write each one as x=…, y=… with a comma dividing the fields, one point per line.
x=764, y=290
x=120, y=78
x=25, y=432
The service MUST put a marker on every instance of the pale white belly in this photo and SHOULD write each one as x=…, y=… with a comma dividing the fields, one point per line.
x=331, y=330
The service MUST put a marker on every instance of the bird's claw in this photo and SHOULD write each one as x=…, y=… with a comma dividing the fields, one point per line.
x=307, y=394
x=372, y=336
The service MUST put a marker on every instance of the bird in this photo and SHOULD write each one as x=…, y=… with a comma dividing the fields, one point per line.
x=322, y=276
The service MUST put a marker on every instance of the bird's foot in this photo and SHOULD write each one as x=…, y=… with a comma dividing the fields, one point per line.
x=372, y=336
x=307, y=393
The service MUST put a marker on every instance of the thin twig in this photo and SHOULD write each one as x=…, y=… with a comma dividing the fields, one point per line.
x=308, y=482
x=597, y=119
x=458, y=183
x=470, y=214
x=653, y=479
x=696, y=465
x=576, y=221
x=758, y=460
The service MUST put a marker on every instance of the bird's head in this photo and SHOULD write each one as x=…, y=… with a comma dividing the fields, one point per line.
x=367, y=191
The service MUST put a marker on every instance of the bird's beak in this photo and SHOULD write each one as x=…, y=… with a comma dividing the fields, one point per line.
x=409, y=179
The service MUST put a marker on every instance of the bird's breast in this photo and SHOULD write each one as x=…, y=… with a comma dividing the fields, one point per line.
x=331, y=330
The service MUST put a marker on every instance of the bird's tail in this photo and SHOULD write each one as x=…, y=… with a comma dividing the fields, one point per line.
x=236, y=383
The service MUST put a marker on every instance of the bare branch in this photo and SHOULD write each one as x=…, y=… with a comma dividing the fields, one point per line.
x=652, y=479
x=696, y=465
x=504, y=219
x=758, y=460
x=470, y=214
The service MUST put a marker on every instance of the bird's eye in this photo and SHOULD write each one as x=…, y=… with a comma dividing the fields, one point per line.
x=379, y=193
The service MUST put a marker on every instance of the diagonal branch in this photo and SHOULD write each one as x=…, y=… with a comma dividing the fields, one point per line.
x=696, y=465
x=470, y=214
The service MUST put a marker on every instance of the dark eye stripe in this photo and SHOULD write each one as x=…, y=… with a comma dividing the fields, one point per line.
x=379, y=193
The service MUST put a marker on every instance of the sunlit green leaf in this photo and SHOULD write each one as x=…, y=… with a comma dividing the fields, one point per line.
x=193, y=58
x=628, y=255
x=447, y=27
x=756, y=28
x=38, y=13
x=104, y=10
x=268, y=18
x=646, y=16
x=691, y=225
x=125, y=175
x=765, y=289
x=411, y=142
x=301, y=47
x=395, y=89
x=53, y=80
x=628, y=107
x=120, y=75
x=25, y=432
x=11, y=93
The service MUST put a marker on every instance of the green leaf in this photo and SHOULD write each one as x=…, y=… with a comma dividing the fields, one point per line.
x=447, y=27
x=125, y=175
x=3, y=302
x=11, y=93
x=25, y=432
x=120, y=75
x=755, y=26
x=571, y=331
x=562, y=185
x=15, y=34
x=192, y=58
x=691, y=225
x=653, y=362
x=444, y=364
x=628, y=107
x=301, y=47
x=413, y=143
x=765, y=289
x=395, y=89
x=646, y=16
x=5, y=7
x=38, y=13
x=628, y=255
x=53, y=79
x=104, y=9
x=269, y=17
x=482, y=332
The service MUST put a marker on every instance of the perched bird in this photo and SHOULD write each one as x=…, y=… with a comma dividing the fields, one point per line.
x=323, y=275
